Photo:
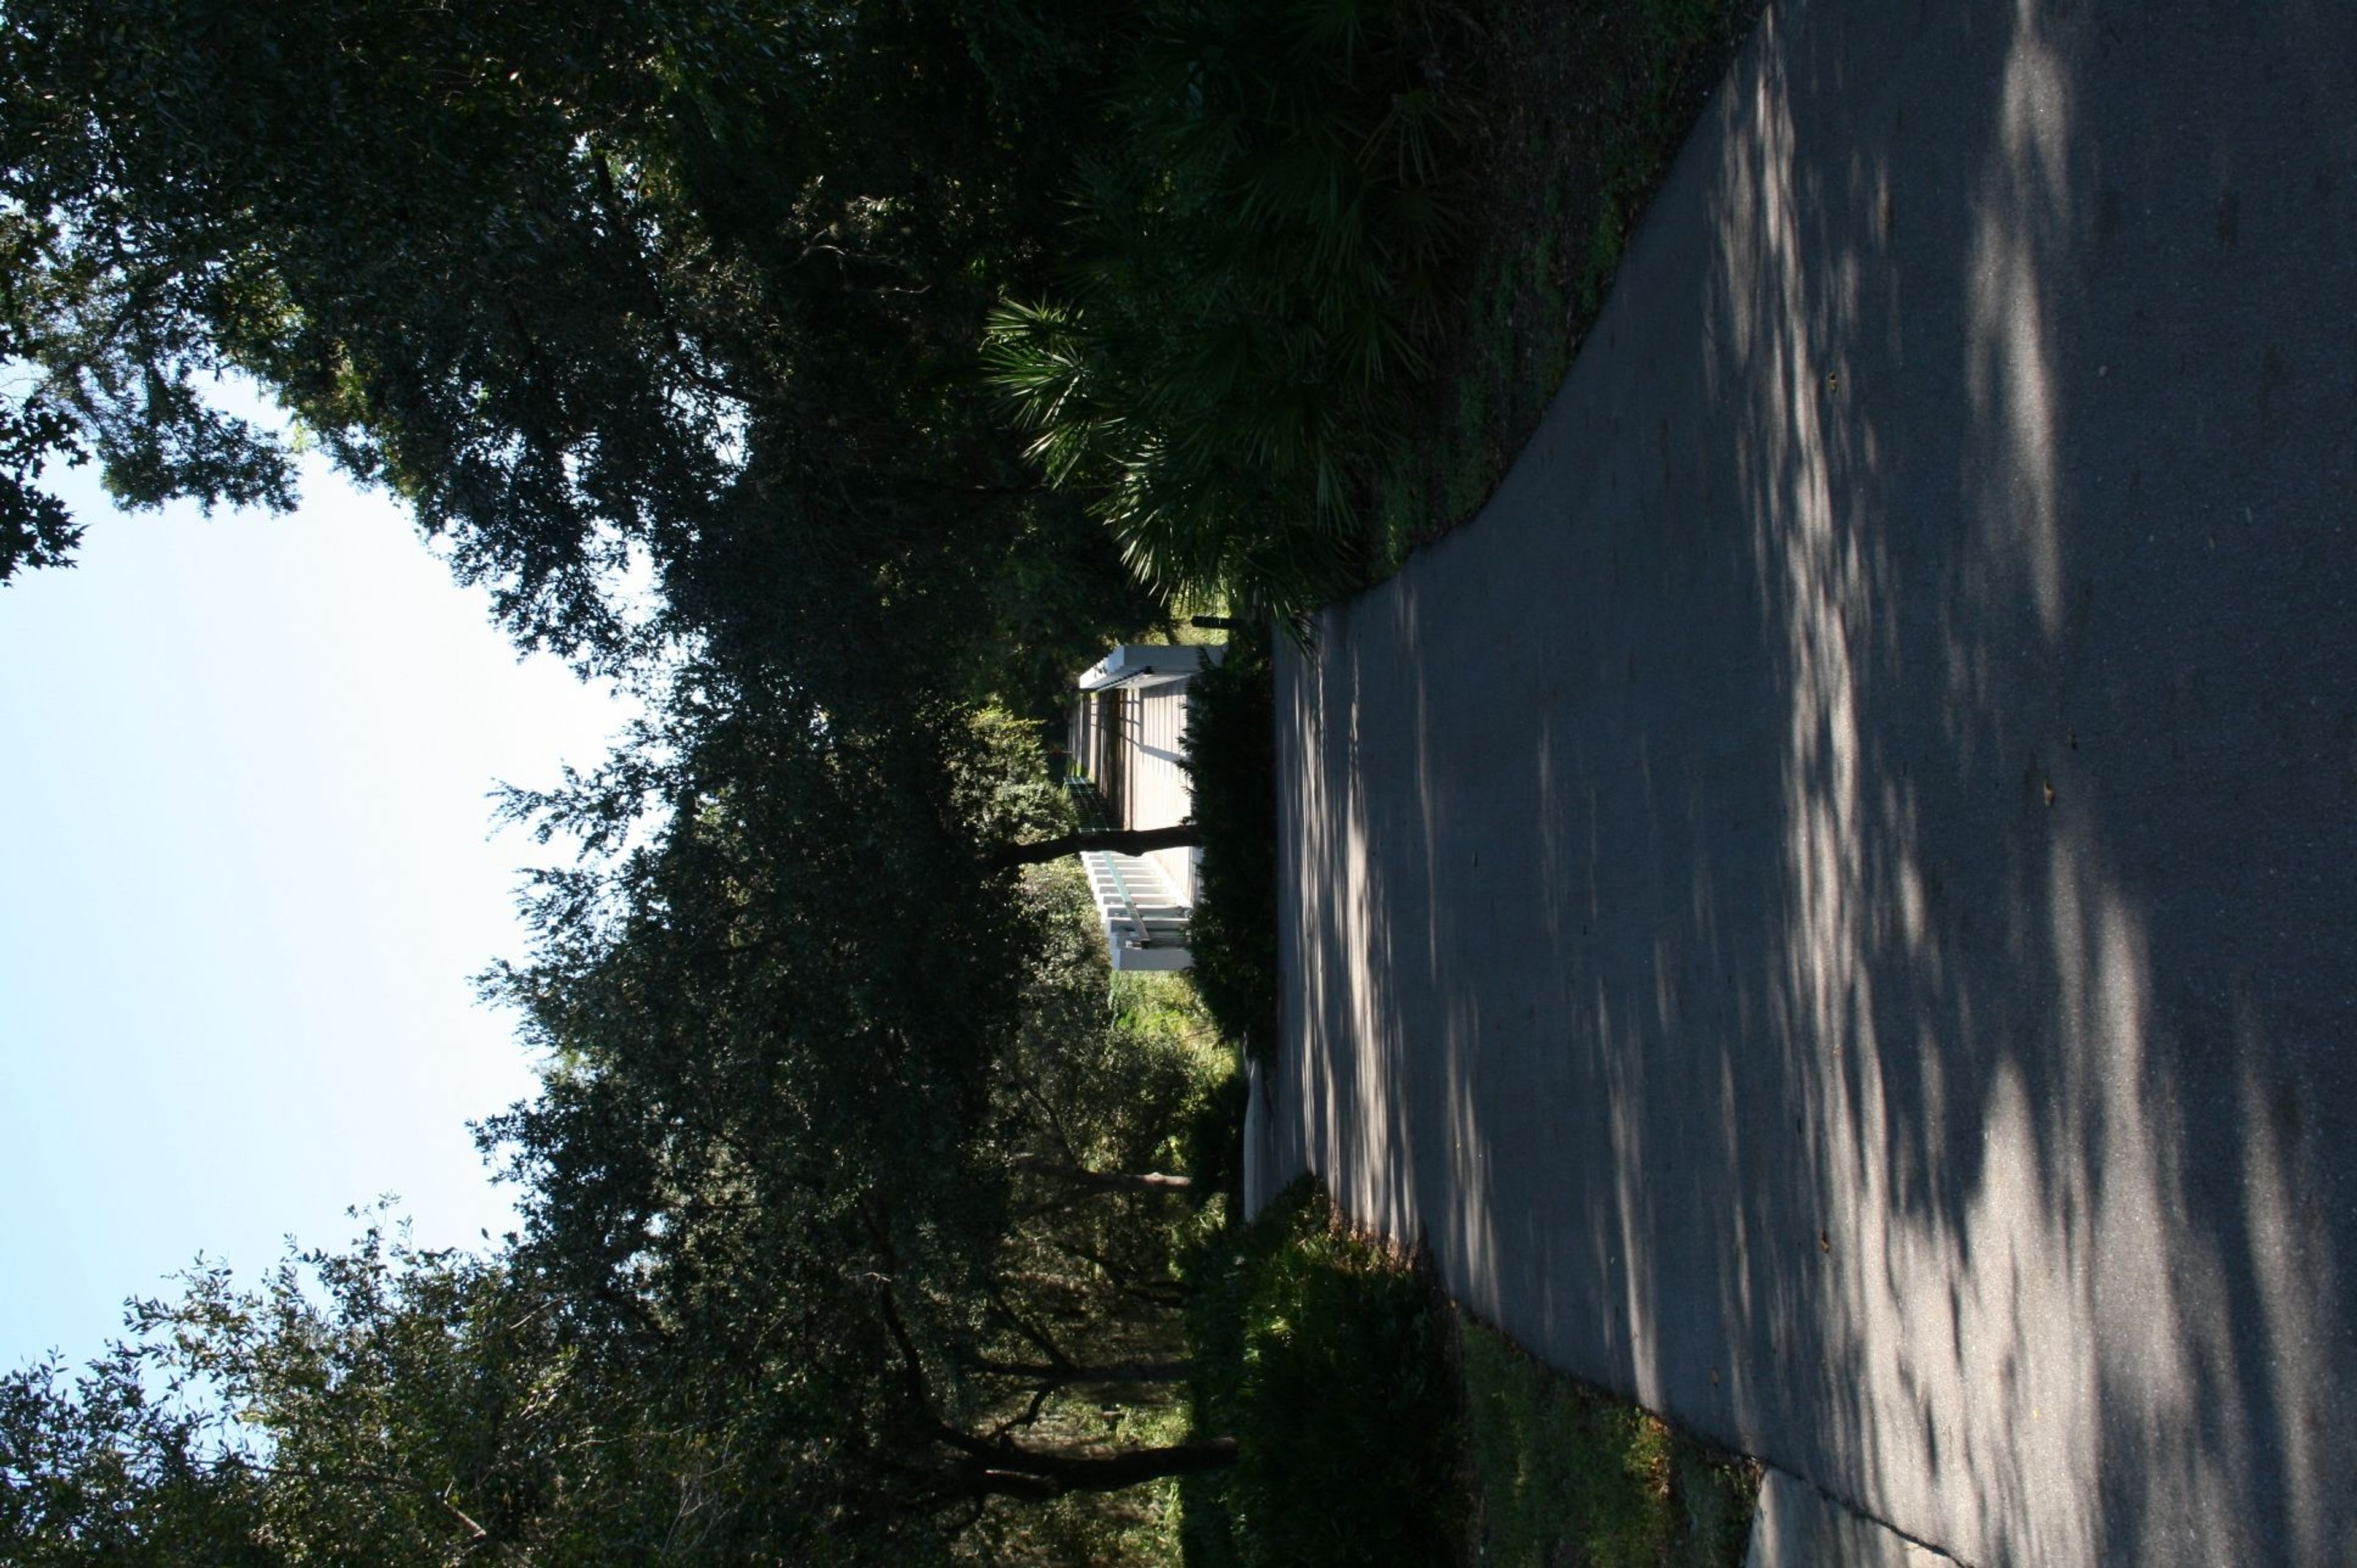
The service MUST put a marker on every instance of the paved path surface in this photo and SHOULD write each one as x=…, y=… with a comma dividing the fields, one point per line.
x=1832, y=905
x=1796, y=1526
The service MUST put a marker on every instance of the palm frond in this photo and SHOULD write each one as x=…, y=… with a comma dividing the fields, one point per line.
x=1255, y=277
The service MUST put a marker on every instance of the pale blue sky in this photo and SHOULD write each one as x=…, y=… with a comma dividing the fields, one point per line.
x=245, y=875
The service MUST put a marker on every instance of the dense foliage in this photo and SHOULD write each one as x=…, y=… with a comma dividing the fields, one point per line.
x=693, y=288
x=1250, y=290
x=849, y=1212
x=1333, y=1358
x=1231, y=767
x=731, y=1329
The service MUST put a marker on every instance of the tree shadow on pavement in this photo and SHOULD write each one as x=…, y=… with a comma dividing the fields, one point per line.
x=1827, y=908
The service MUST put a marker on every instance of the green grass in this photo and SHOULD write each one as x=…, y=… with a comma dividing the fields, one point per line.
x=1164, y=1014
x=1332, y=1360
x=1564, y=1472
x=1581, y=103
x=1375, y=1426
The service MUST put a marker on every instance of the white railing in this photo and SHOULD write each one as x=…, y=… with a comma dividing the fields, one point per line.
x=1145, y=927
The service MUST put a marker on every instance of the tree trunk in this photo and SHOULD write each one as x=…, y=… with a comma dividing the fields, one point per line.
x=1076, y=1374
x=1124, y=840
x=1009, y=1470
x=1105, y=1181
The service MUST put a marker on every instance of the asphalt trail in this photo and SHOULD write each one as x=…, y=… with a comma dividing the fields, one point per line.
x=1833, y=905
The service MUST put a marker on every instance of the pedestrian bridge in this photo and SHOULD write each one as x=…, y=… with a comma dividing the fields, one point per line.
x=1144, y=923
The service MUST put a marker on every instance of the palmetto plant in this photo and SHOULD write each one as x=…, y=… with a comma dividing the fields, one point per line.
x=1254, y=274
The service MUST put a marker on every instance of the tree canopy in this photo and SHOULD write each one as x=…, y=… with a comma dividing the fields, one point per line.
x=692, y=289
x=734, y=1326
x=673, y=324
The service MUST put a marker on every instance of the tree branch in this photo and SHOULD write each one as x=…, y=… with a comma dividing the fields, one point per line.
x=1006, y=1468
x=1079, y=1374
x=1122, y=841
x=1102, y=1181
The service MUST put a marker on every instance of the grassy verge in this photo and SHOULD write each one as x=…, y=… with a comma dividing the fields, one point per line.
x=1328, y=266
x=1582, y=104
x=1374, y=1426
x=1566, y=1473
x=1252, y=277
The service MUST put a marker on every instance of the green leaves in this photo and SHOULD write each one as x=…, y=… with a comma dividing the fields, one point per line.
x=681, y=287
x=703, y=296
x=1253, y=268
x=383, y=1404
x=36, y=530
x=1231, y=760
x=105, y=348
x=101, y=1468
x=1332, y=1358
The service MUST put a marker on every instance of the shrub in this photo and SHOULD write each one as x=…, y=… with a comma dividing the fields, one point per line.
x=1257, y=277
x=1231, y=755
x=1332, y=1358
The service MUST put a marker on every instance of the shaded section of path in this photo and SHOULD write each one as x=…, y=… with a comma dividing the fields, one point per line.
x=1832, y=905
